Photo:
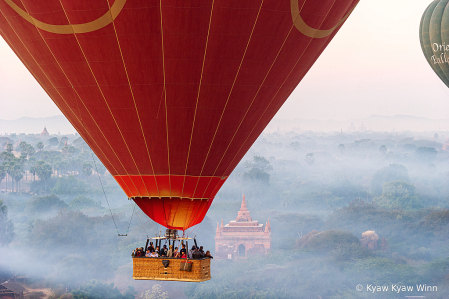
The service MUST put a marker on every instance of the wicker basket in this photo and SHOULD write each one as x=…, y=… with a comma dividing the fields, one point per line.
x=154, y=269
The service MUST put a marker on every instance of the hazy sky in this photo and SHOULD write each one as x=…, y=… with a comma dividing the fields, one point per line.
x=373, y=66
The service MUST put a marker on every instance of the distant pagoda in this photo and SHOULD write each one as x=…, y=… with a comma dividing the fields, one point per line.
x=45, y=132
x=242, y=236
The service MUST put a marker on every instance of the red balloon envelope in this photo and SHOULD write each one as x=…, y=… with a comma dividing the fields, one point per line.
x=170, y=94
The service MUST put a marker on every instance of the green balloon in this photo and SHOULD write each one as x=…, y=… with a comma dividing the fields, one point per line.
x=434, y=38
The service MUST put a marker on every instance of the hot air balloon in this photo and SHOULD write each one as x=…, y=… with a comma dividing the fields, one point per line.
x=434, y=38
x=170, y=94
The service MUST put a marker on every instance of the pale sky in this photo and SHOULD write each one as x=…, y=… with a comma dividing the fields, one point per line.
x=373, y=66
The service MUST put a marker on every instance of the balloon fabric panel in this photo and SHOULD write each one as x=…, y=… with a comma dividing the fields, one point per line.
x=170, y=94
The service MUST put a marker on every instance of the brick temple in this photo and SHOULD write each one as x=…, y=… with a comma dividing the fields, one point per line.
x=242, y=237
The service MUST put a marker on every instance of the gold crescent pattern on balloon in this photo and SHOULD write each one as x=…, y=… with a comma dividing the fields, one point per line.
x=306, y=29
x=99, y=23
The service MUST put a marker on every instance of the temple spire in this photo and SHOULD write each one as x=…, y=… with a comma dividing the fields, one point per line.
x=243, y=206
x=222, y=223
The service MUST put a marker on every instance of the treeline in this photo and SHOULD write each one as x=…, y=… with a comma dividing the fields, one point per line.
x=37, y=165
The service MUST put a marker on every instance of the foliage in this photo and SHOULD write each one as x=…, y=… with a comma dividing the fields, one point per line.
x=87, y=169
x=7, y=156
x=255, y=174
x=392, y=172
x=331, y=239
x=70, y=185
x=53, y=141
x=398, y=195
x=99, y=290
x=43, y=170
x=82, y=202
x=259, y=162
x=383, y=149
x=426, y=154
x=40, y=145
x=310, y=159
x=6, y=226
x=46, y=204
x=259, y=167
x=154, y=293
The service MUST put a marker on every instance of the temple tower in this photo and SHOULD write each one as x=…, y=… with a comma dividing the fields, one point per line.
x=242, y=237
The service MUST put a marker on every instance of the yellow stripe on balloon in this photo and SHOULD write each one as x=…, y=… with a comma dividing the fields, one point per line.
x=99, y=23
x=306, y=29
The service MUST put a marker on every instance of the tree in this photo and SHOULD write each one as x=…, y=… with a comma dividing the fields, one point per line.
x=40, y=145
x=310, y=159
x=436, y=136
x=426, y=154
x=82, y=202
x=259, y=162
x=43, y=171
x=6, y=226
x=46, y=204
x=17, y=172
x=22, y=145
x=53, y=141
x=7, y=156
x=29, y=150
x=341, y=148
x=2, y=173
x=392, y=172
x=31, y=166
x=259, y=167
x=383, y=149
x=87, y=169
x=155, y=293
x=9, y=147
x=399, y=195
x=69, y=185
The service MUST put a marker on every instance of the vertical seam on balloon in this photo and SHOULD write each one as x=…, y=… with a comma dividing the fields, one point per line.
x=166, y=111
x=99, y=88
x=279, y=89
x=188, y=219
x=135, y=106
x=49, y=78
x=441, y=39
x=423, y=47
x=192, y=216
x=257, y=92
x=165, y=97
x=64, y=75
x=28, y=68
x=198, y=96
x=254, y=98
x=436, y=68
x=230, y=92
x=430, y=22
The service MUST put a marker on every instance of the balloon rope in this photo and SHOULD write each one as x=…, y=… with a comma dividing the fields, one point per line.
x=197, y=227
x=141, y=223
x=129, y=225
x=101, y=183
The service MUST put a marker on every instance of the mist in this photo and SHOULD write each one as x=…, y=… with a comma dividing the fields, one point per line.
x=321, y=191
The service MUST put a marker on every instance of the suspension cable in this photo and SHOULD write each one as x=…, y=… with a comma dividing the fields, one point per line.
x=101, y=183
x=141, y=223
